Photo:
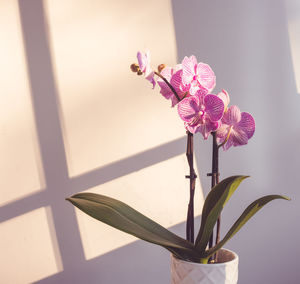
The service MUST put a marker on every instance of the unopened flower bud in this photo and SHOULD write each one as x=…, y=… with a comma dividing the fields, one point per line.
x=134, y=68
x=139, y=72
x=161, y=67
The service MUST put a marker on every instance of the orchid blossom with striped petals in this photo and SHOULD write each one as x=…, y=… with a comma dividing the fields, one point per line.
x=201, y=113
x=236, y=128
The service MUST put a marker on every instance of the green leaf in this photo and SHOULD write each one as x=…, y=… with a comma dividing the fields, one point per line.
x=121, y=216
x=213, y=205
x=247, y=214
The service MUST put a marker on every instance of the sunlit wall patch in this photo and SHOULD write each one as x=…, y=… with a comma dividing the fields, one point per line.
x=27, y=253
x=293, y=17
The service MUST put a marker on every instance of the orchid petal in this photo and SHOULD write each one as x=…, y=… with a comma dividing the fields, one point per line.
x=247, y=124
x=190, y=128
x=193, y=90
x=167, y=72
x=142, y=60
x=201, y=93
x=207, y=127
x=176, y=80
x=148, y=71
x=222, y=132
x=188, y=108
x=228, y=144
x=232, y=115
x=173, y=76
x=188, y=68
x=239, y=137
x=214, y=107
x=174, y=101
x=206, y=76
x=165, y=89
x=177, y=67
x=195, y=124
x=151, y=79
x=225, y=98
x=241, y=131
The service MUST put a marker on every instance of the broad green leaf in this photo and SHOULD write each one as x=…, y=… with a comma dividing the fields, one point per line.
x=121, y=216
x=213, y=205
x=247, y=214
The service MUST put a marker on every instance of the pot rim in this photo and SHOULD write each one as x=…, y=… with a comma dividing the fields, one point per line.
x=236, y=259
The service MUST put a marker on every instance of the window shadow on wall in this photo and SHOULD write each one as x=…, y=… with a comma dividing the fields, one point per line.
x=246, y=43
x=127, y=264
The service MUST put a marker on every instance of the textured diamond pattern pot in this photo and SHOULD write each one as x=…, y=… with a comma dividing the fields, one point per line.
x=224, y=272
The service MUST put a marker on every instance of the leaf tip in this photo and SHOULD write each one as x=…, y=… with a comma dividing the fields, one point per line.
x=241, y=177
x=69, y=199
x=286, y=198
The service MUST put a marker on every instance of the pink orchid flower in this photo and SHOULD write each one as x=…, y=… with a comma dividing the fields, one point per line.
x=165, y=90
x=201, y=113
x=197, y=76
x=144, y=64
x=237, y=126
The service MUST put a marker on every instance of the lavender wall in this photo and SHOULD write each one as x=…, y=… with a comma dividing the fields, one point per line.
x=248, y=45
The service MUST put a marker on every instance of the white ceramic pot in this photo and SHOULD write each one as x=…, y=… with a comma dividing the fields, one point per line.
x=224, y=272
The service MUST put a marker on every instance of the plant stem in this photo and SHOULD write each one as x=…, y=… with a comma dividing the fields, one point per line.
x=215, y=179
x=219, y=218
x=190, y=157
x=192, y=177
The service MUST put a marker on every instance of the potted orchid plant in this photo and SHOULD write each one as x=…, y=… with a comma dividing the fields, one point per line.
x=189, y=87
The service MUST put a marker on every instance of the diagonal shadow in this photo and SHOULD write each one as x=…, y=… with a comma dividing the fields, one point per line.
x=128, y=165
x=95, y=177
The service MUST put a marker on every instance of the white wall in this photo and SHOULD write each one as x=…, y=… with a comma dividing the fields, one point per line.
x=74, y=118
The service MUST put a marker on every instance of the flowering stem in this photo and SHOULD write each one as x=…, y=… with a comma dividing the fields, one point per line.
x=215, y=180
x=192, y=177
x=169, y=85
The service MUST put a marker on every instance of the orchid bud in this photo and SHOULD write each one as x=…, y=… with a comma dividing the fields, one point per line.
x=134, y=68
x=161, y=67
